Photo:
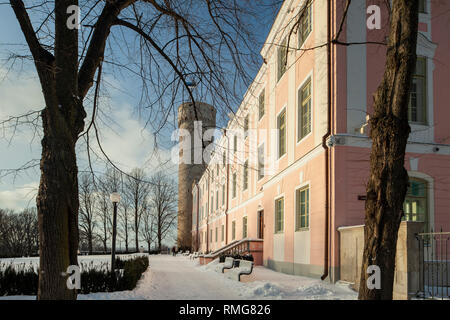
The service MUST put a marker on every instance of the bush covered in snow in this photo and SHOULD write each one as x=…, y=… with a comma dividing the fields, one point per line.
x=23, y=279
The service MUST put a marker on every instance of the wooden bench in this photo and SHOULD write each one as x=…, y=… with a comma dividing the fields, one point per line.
x=245, y=268
x=228, y=264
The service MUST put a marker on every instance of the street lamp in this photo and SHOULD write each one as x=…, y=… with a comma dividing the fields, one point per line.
x=115, y=198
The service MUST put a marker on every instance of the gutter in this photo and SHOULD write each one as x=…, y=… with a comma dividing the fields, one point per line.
x=327, y=151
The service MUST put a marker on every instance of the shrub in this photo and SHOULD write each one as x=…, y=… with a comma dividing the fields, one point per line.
x=22, y=280
x=119, y=263
x=132, y=272
x=18, y=282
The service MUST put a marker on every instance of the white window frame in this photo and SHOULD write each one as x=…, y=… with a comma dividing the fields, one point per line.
x=305, y=80
x=275, y=214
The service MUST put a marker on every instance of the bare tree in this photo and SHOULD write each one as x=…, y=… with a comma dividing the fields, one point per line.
x=29, y=222
x=104, y=214
x=88, y=199
x=163, y=204
x=124, y=213
x=388, y=180
x=148, y=230
x=18, y=233
x=137, y=189
x=203, y=40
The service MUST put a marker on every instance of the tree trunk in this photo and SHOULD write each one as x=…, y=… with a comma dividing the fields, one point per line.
x=90, y=242
x=136, y=226
x=57, y=203
x=390, y=129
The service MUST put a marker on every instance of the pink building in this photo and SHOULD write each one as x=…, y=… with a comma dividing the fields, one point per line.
x=305, y=120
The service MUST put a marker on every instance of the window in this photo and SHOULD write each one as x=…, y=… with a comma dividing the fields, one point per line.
x=304, y=110
x=235, y=144
x=223, y=194
x=212, y=204
x=281, y=124
x=217, y=199
x=261, y=162
x=245, y=183
x=418, y=96
x=210, y=236
x=217, y=233
x=244, y=227
x=279, y=215
x=217, y=170
x=246, y=125
x=422, y=6
x=302, y=209
x=261, y=105
x=282, y=61
x=305, y=26
x=224, y=159
x=234, y=185
x=416, y=202
x=233, y=230
x=223, y=233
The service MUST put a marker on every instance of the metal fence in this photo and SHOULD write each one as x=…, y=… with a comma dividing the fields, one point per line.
x=434, y=272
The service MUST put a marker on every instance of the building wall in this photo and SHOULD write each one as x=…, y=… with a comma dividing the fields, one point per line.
x=356, y=74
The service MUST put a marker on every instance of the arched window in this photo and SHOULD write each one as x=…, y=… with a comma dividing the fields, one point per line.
x=415, y=206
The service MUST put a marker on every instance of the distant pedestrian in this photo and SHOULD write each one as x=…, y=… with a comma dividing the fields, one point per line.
x=173, y=251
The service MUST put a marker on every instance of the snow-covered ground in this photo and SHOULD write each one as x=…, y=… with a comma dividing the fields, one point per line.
x=178, y=278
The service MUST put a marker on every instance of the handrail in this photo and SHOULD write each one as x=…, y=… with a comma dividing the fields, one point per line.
x=233, y=245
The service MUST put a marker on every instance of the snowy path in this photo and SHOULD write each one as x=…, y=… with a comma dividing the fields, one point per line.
x=178, y=278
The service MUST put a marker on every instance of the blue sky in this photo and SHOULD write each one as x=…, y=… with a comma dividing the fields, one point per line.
x=126, y=138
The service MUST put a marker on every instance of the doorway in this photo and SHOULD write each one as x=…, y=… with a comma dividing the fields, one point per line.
x=261, y=224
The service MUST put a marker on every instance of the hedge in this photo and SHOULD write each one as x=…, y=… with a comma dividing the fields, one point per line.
x=24, y=280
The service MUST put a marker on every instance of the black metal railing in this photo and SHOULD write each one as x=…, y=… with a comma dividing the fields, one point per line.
x=434, y=271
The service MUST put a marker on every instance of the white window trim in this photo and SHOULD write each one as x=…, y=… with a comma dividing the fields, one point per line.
x=257, y=157
x=275, y=215
x=234, y=220
x=424, y=133
x=430, y=194
x=301, y=186
x=248, y=175
x=312, y=27
x=244, y=216
x=284, y=37
x=265, y=109
x=284, y=108
x=234, y=196
x=308, y=77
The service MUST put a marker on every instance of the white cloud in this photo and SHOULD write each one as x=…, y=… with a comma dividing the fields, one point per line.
x=20, y=93
x=19, y=198
x=127, y=143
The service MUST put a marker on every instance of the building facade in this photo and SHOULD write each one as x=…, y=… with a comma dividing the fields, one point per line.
x=304, y=120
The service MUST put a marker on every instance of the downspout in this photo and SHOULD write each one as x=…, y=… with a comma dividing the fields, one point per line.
x=228, y=186
x=197, y=241
x=324, y=145
x=207, y=214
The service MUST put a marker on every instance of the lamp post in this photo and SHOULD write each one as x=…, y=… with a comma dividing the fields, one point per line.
x=115, y=198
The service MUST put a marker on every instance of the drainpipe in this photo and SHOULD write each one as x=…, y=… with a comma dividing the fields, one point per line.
x=324, y=145
x=227, y=190
x=207, y=213
x=197, y=241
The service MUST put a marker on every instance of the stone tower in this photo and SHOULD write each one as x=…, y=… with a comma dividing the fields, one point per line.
x=187, y=173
